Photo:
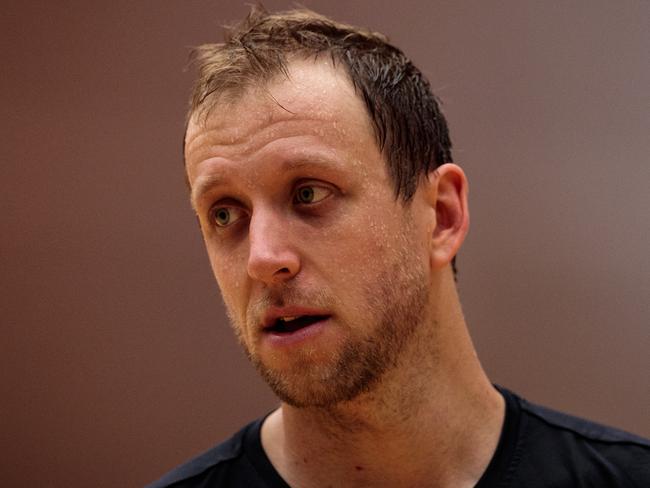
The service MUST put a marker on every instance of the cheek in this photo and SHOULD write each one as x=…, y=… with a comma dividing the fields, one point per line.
x=361, y=249
x=383, y=239
x=227, y=272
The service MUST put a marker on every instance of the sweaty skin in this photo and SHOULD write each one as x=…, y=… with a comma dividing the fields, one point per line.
x=299, y=216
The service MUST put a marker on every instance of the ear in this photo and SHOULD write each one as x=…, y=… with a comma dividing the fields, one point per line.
x=447, y=194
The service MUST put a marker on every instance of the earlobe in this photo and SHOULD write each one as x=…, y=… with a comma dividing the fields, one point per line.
x=448, y=193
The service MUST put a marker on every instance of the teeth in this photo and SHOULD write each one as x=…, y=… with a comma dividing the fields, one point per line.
x=289, y=319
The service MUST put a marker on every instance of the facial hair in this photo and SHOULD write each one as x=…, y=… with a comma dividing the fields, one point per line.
x=393, y=309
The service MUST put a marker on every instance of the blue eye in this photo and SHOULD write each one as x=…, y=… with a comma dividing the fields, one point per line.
x=222, y=217
x=311, y=194
x=305, y=194
x=225, y=216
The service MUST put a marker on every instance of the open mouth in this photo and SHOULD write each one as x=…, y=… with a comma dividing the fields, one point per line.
x=287, y=325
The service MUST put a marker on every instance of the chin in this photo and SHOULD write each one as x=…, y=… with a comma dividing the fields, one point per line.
x=321, y=385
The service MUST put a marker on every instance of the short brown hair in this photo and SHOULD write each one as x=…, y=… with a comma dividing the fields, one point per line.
x=409, y=127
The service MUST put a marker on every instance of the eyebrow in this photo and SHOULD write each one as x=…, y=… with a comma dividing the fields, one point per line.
x=202, y=186
x=205, y=183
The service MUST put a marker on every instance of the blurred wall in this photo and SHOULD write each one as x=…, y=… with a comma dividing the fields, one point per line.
x=116, y=360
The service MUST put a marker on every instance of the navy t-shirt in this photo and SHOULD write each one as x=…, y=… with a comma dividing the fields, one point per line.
x=539, y=447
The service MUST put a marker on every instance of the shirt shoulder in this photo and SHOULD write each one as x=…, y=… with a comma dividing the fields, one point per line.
x=558, y=449
x=223, y=465
x=583, y=428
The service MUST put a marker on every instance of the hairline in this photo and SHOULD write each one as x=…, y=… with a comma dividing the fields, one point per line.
x=231, y=96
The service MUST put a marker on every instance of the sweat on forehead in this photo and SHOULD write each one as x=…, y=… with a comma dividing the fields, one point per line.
x=317, y=70
x=308, y=89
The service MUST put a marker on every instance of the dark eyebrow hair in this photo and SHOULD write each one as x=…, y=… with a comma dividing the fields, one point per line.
x=203, y=184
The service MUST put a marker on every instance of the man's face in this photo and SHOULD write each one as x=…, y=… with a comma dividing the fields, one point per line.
x=299, y=219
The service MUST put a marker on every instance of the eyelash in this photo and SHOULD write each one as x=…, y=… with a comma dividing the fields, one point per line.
x=212, y=213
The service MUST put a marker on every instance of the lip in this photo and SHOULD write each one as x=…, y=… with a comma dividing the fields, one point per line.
x=274, y=313
x=298, y=338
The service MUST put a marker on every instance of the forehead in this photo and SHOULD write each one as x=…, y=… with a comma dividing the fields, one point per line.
x=316, y=99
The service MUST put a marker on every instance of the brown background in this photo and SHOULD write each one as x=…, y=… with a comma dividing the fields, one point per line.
x=116, y=360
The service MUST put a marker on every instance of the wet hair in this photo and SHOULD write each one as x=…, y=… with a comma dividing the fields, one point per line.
x=410, y=130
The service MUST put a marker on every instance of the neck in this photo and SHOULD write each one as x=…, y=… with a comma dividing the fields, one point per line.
x=434, y=420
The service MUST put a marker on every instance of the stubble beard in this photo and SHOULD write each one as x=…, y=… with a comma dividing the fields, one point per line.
x=396, y=305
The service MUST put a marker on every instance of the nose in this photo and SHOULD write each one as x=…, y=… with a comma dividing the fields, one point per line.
x=272, y=258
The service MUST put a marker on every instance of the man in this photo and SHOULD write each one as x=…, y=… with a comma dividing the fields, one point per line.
x=321, y=173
